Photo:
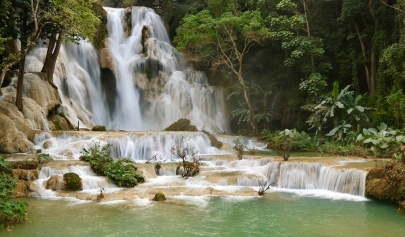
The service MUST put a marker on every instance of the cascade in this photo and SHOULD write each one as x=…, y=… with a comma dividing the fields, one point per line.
x=155, y=85
x=318, y=176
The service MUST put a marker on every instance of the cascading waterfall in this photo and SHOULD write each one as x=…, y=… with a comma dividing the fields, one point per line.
x=155, y=85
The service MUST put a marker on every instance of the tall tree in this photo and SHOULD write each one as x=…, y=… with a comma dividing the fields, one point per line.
x=71, y=20
x=363, y=21
x=224, y=38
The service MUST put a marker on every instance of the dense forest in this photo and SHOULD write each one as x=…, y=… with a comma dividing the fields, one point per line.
x=327, y=67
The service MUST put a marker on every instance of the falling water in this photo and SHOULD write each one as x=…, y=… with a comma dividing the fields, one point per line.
x=155, y=85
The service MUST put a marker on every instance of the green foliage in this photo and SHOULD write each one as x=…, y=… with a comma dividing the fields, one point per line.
x=282, y=142
x=10, y=211
x=342, y=108
x=43, y=158
x=122, y=172
x=382, y=141
x=99, y=128
x=336, y=148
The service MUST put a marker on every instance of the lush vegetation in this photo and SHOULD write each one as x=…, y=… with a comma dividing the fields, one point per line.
x=333, y=69
x=123, y=172
x=10, y=211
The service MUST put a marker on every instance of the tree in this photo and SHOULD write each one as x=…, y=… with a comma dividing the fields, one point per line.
x=292, y=29
x=225, y=39
x=72, y=20
x=364, y=23
x=31, y=19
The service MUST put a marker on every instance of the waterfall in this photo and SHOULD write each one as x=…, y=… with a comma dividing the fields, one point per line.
x=318, y=176
x=155, y=85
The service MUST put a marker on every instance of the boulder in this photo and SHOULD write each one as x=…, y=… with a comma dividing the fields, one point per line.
x=54, y=183
x=72, y=182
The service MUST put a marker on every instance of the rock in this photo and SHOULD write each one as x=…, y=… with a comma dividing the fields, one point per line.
x=38, y=99
x=27, y=175
x=54, y=183
x=181, y=125
x=22, y=189
x=159, y=197
x=72, y=182
x=106, y=59
x=387, y=184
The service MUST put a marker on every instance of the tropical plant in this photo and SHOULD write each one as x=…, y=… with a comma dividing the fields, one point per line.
x=383, y=141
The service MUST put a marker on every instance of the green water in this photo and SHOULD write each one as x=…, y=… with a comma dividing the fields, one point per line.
x=276, y=214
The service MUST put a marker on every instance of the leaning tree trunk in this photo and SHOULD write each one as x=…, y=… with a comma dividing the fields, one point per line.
x=51, y=56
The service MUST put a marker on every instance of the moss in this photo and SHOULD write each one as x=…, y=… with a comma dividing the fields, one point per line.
x=72, y=181
x=182, y=125
x=57, y=125
x=98, y=128
x=159, y=197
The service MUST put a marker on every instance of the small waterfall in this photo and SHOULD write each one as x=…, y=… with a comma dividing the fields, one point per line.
x=318, y=176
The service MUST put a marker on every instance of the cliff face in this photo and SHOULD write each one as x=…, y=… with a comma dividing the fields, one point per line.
x=38, y=100
x=387, y=184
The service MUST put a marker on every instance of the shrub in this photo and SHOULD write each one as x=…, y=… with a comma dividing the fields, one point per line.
x=123, y=172
x=239, y=147
x=43, y=158
x=98, y=128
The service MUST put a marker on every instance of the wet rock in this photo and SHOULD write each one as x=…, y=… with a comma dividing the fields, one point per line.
x=72, y=182
x=159, y=197
x=22, y=189
x=387, y=183
x=54, y=183
x=27, y=175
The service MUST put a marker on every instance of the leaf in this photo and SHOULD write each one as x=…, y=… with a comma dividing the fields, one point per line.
x=359, y=108
x=340, y=104
x=332, y=132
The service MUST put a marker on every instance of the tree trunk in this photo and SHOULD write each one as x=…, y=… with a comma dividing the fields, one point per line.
x=51, y=56
x=20, y=82
x=246, y=95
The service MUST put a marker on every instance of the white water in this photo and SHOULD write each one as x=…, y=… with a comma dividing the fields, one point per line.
x=172, y=90
x=308, y=179
x=155, y=86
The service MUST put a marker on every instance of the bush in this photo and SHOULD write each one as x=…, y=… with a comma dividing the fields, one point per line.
x=239, y=147
x=123, y=172
x=100, y=128
x=10, y=211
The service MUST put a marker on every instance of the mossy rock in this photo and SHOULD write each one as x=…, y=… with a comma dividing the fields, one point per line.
x=72, y=182
x=159, y=197
x=99, y=128
x=214, y=141
x=182, y=125
x=376, y=173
